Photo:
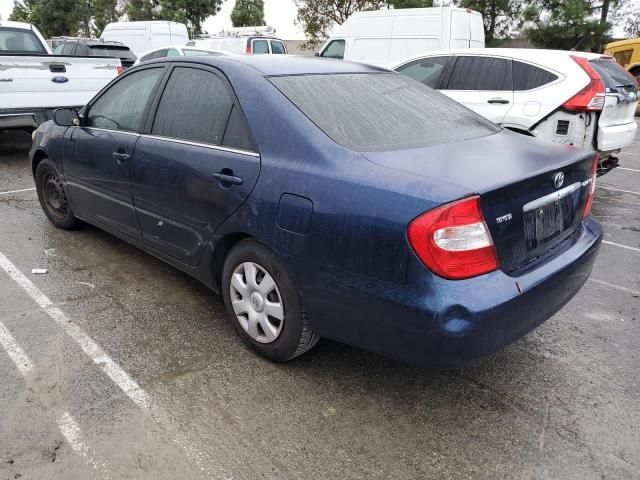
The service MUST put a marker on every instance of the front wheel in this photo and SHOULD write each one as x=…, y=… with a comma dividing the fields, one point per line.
x=263, y=304
x=52, y=194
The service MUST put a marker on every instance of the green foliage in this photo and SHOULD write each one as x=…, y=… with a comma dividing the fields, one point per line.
x=499, y=16
x=248, y=13
x=89, y=17
x=565, y=25
x=410, y=3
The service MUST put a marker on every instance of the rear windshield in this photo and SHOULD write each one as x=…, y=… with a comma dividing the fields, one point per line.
x=117, y=52
x=15, y=40
x=381, y=111
x=614, y=76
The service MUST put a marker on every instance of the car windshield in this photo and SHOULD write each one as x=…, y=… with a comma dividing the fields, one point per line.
x=381, y=111
x=15, y=40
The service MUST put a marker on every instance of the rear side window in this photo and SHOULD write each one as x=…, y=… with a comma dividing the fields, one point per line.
x=260, y=47
x=121, y=107
x=381, y=111
x=277, y=47
x=614, y=76
x=527, y=77
x=195, y=106
x=334, y=50
x=195, y=53
x=426, y=70
x=58, y=49
x=481, y=73
x=69, y=49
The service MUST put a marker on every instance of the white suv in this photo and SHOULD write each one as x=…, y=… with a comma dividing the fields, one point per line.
x=576, y=98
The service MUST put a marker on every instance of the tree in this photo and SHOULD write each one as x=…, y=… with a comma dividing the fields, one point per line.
x=104, y=12
x=247, y=13
x=499, y=17
x=565, y=25
x=141, y=10
x=627, y=16
x=410, y=3
x=191, y=12
x=317, y=17
x=52, y=17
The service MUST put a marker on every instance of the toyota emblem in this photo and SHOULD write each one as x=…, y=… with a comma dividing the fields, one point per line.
x=558, y=179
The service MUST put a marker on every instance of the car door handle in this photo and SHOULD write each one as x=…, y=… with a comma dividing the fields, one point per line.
x=226, y=178
x=120, y=157
x=502, y=101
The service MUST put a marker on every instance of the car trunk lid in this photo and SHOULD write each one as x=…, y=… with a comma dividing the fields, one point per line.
x=620, y=92
x=526, y=207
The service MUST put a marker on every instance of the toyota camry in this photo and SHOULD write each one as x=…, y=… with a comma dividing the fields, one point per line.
x=328, y=199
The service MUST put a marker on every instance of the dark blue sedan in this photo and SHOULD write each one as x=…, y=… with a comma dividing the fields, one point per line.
x=329, y=199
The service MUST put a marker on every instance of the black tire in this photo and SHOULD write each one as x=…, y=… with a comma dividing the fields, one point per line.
x=52, y=193
x=296, y=336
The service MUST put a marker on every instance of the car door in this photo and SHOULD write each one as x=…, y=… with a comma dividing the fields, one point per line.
x=482, y=83
x=97, y=156
x=195, y=166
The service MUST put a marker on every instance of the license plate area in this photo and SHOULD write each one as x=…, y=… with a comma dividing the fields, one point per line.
x=549, y=216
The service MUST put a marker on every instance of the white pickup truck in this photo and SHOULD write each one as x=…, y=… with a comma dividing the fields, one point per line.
x=33, y=82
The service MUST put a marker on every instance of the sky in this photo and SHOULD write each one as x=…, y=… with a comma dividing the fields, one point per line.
x=279, y=14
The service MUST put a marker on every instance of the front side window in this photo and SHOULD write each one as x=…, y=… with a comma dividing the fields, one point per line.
x=69, y=49
x=58, y=49
x=122, y=106
x=157, y=54
x=260, y=47
x=481, y=73
x=15, y=40
x=277, y=47
x=334, y=50
x=195, y=105
x=381, y=111
x=527, y=77
x=195, y=53
x=426, y=70
x=172, y=52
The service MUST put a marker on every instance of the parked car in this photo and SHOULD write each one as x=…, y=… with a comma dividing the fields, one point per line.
x=86, y=47
x=163, y=52
x=328, y=199
x=243, y=40
x=576, y=98
x=627, y=54
x=143, y=36
x=33, y=82
x=386, y=37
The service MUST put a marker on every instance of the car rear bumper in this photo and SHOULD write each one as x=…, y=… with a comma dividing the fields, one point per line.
x=442, y=323
x=615, y=137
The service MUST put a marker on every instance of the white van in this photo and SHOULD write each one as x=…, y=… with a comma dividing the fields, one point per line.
x=143, y=36
x=243, y=40
x=387, y=37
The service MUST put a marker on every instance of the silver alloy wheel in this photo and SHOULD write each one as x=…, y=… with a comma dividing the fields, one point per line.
x=256, y=302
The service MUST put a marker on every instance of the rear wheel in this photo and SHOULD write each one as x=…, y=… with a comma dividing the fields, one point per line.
x=53, y=197
x=263, y=304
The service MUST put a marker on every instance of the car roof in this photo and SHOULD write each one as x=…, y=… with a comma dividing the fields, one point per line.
x=274, y=65
x=552, y=58
x=624, y=43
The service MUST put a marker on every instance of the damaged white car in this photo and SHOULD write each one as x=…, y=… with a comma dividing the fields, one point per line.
x=576, y=98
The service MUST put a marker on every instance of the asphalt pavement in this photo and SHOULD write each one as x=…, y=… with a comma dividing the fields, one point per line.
x=116, y=365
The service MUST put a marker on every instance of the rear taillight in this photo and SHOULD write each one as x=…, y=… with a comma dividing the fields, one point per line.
x=120, y=70
x=453, y=241
x=590, y=98
x=592, y=187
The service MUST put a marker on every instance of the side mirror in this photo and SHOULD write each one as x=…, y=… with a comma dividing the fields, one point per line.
x=66, y=117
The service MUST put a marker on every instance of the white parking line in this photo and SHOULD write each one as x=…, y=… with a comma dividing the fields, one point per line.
x=616, y=287
x=17, y=191
x=621, y=245
x=607, y=187
x=121, y=378
x=23, y=364
x=73, y=435
x=68, y=426
x=628, y=169
x=630, y=153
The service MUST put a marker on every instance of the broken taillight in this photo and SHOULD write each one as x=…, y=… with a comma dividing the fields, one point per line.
x=591, y=98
